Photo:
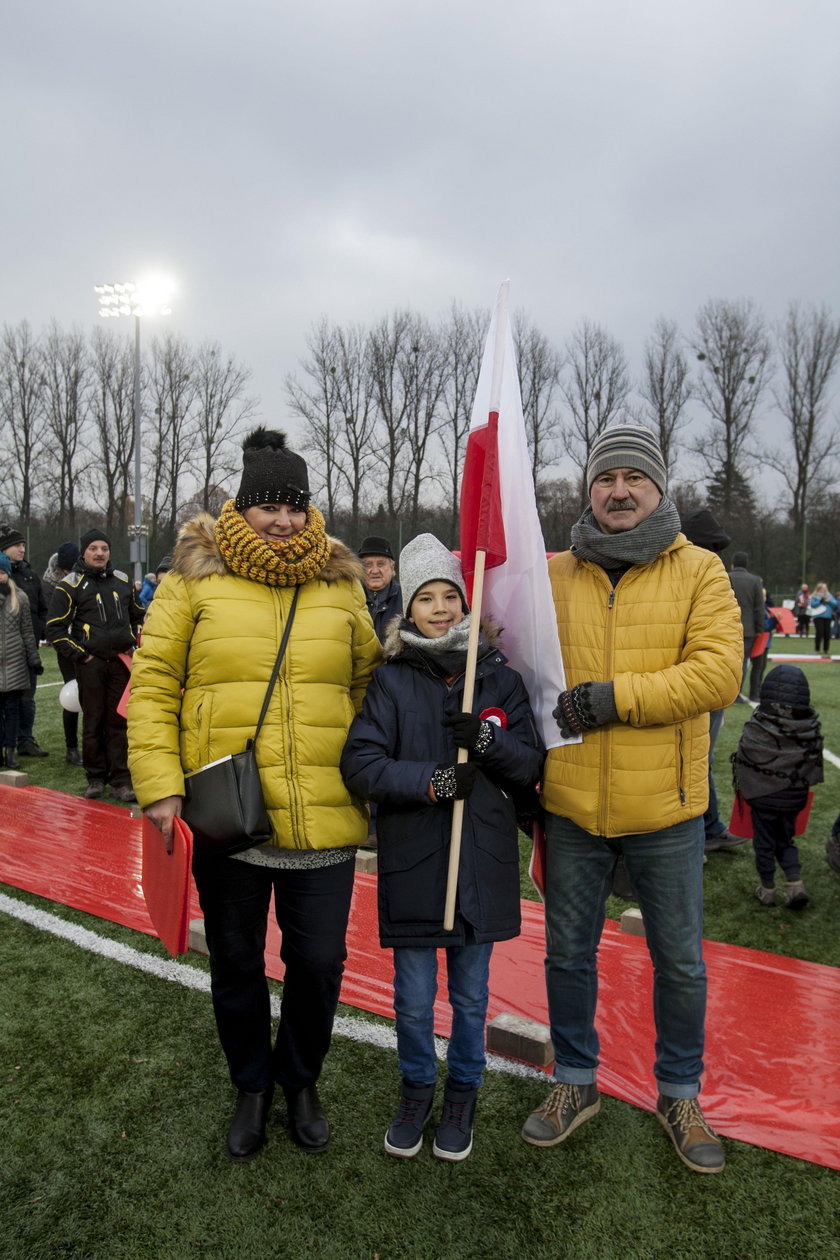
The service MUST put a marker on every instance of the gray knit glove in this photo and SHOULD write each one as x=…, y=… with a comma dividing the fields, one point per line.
x=583, y=708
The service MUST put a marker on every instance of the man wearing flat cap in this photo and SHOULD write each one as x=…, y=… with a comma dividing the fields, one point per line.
x=26, y=579
x=652, y=644
x=93, y=619
x=382, y=590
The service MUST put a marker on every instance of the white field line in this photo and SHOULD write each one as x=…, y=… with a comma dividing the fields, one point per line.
x=348, y=1026
x=830, y=757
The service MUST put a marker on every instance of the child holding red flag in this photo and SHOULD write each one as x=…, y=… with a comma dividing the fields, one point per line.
x=401, y=753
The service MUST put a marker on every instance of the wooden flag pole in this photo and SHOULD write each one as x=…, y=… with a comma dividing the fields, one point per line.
x=463, y=753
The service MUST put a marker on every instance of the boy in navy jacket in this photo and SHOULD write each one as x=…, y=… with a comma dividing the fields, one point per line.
x=401, y=753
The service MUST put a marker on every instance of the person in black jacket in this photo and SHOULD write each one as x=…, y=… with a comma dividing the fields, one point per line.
x=93, y=618
x=401, y=753
x=26, y=579
x=778, y=759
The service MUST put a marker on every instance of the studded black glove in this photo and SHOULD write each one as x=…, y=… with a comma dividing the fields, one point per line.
x=454, y=780
x=470, y=731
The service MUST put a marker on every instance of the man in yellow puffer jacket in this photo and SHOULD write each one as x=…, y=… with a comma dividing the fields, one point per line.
x=652, y=644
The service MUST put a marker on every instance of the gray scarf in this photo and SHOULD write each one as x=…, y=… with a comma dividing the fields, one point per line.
x=631, y=546
x=448, y=653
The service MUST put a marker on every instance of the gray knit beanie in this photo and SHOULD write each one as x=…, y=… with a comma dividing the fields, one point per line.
x=627, y=446
x=425, y=559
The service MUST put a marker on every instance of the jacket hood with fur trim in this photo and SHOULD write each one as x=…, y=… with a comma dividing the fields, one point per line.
x=197, y=554
x=394, y=646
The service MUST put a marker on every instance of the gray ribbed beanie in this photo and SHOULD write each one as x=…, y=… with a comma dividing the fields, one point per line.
x=425, y=559
x=627, y=446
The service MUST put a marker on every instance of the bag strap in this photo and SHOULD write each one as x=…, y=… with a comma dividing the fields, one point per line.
x=273, y=679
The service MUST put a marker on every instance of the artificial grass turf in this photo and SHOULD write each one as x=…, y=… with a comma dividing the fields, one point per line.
x=114, y=1107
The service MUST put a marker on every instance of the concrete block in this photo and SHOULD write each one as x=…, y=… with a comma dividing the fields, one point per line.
x=366, y=861
x=14, y=778
x=197, y=939
x=632, y=922
x=518, y=1038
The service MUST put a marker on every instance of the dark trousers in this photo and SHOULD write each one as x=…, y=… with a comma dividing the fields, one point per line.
x=104, y=738
x=312, y=909
x=70, y=720
x=822, y=635
x=27, y=712
x=10, y=705
x=774, y=822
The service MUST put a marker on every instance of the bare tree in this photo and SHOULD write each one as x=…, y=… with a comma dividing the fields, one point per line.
x=540, y=366
x=356, y=429
x=66, y=370
x=423, y=367
x=390, y=342
x=595, y=389
x=112, y=417
x=665, y=388
x=809, y=351
x=317, y=401
x=221, y=408
x=171, y=391
x=463, y=336
x=732, y=345
x=22, y=414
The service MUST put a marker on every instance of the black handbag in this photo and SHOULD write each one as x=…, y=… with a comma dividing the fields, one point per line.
x=223, y=801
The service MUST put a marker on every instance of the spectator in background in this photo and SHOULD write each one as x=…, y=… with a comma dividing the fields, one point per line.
x=758, y=664
x=823, y=605
x=61, y=563
x=703, y=530
x=18, y=660
x=801, y=604
x=382, y=590
x=13, y=543
x=749, y=592
x=93, y=619
x=152, y=581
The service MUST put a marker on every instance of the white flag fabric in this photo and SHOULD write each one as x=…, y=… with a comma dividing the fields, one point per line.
x=517, y=591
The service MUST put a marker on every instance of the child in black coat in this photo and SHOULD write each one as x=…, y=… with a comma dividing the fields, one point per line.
x=401, y=753
x=779, y=757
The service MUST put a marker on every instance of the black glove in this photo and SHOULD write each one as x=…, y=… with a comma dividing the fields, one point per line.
x=470, y=731
x=454, y=780
x=38, y=669
x=584, y=707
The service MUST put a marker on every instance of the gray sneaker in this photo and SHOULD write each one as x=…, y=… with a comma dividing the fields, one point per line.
x=565, y=1109
x=694, y=1140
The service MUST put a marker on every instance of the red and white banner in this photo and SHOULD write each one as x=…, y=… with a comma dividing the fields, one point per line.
x=499, y=516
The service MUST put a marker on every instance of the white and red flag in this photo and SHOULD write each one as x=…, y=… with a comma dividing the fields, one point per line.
x=499, y=517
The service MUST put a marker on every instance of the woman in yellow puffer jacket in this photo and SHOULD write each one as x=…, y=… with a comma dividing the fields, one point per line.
x=210, y=641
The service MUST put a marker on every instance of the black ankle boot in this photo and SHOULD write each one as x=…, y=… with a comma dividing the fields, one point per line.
x=12, y=762
x=246, y=1135
x=310, y=1127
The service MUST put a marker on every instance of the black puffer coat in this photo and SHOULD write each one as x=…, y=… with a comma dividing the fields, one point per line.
x=392, y=751
x=27, y=580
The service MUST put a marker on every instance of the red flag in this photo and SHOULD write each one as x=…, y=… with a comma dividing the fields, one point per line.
x=482, y=526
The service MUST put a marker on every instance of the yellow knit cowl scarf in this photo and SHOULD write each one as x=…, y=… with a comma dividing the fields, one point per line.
x=289, y=562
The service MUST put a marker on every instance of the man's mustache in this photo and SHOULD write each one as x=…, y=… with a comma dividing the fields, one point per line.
x=621, y=505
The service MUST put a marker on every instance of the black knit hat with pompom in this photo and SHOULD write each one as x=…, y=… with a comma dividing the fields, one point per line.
x=271, y=473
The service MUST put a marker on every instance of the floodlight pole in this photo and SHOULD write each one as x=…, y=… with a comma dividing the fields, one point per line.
x=138, y=468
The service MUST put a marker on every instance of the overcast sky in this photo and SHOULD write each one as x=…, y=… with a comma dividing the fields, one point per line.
x=617, y=161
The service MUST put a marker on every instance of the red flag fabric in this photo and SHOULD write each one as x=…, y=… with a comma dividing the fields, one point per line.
x=482, y=526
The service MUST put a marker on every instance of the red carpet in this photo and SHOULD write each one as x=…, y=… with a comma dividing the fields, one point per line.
x=773, y=1052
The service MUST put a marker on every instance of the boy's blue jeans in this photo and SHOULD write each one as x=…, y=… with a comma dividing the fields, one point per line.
x=666, y=868
x=415, y=989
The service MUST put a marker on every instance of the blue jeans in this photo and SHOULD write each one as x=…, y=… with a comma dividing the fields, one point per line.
x=666, y=868
x=415, y=989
